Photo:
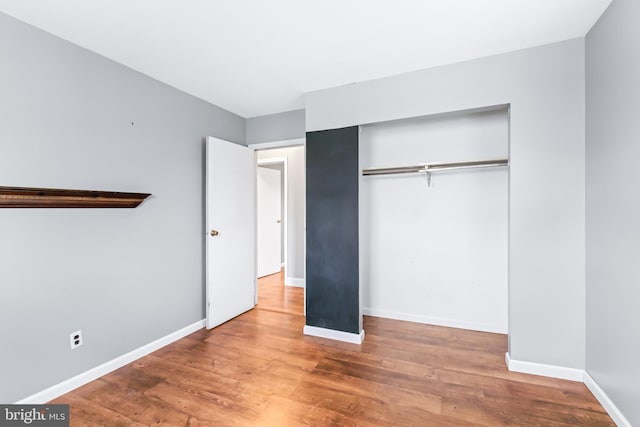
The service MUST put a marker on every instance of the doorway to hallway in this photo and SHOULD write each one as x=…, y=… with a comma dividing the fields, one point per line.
x=273, y=295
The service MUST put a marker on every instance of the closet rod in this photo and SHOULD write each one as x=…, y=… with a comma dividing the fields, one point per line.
x=436, y=167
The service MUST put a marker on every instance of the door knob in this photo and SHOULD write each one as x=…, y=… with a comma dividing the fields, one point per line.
x=214, y=233
x=278, y=221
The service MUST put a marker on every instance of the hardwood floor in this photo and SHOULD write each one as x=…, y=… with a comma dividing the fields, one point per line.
x=259, y=370
x=274, y=296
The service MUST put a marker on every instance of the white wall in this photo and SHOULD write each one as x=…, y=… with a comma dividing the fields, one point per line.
x=613, y=206
x=545, y=88
x=436, y=254
x=295, y=214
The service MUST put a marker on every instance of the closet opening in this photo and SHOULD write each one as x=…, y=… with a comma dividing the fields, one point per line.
x=434, y=246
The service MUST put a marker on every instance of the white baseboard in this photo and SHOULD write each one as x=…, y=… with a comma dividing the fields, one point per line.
x=439, y=321
x=334, y=335
x=92, y=374
x=571, y=374
x=294, y=281
x=607, y=404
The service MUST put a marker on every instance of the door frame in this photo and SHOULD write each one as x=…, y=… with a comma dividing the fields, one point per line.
x=285, y=195
x=286, y=143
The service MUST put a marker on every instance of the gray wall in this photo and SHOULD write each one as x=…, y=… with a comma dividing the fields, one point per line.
x=545, y=89
x=126, y=276
x=295, y=214
x=613, y=205
x=275, y=127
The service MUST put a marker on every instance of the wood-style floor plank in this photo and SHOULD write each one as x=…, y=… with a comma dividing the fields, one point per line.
x=259, y=370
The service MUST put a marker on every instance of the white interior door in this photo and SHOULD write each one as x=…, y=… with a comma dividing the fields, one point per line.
x=269, y=221
x=231, y=230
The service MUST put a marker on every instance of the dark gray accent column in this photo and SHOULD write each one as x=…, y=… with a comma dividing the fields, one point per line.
x=332, y=274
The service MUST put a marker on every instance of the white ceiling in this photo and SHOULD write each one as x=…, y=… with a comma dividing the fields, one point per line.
x=256, y=57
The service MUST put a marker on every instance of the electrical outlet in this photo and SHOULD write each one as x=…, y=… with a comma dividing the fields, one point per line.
x=76, y=339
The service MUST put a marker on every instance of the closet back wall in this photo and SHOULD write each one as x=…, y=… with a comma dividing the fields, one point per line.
x=436, y=254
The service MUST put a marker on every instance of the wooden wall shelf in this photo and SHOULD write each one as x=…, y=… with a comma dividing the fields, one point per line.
x=21, y=197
